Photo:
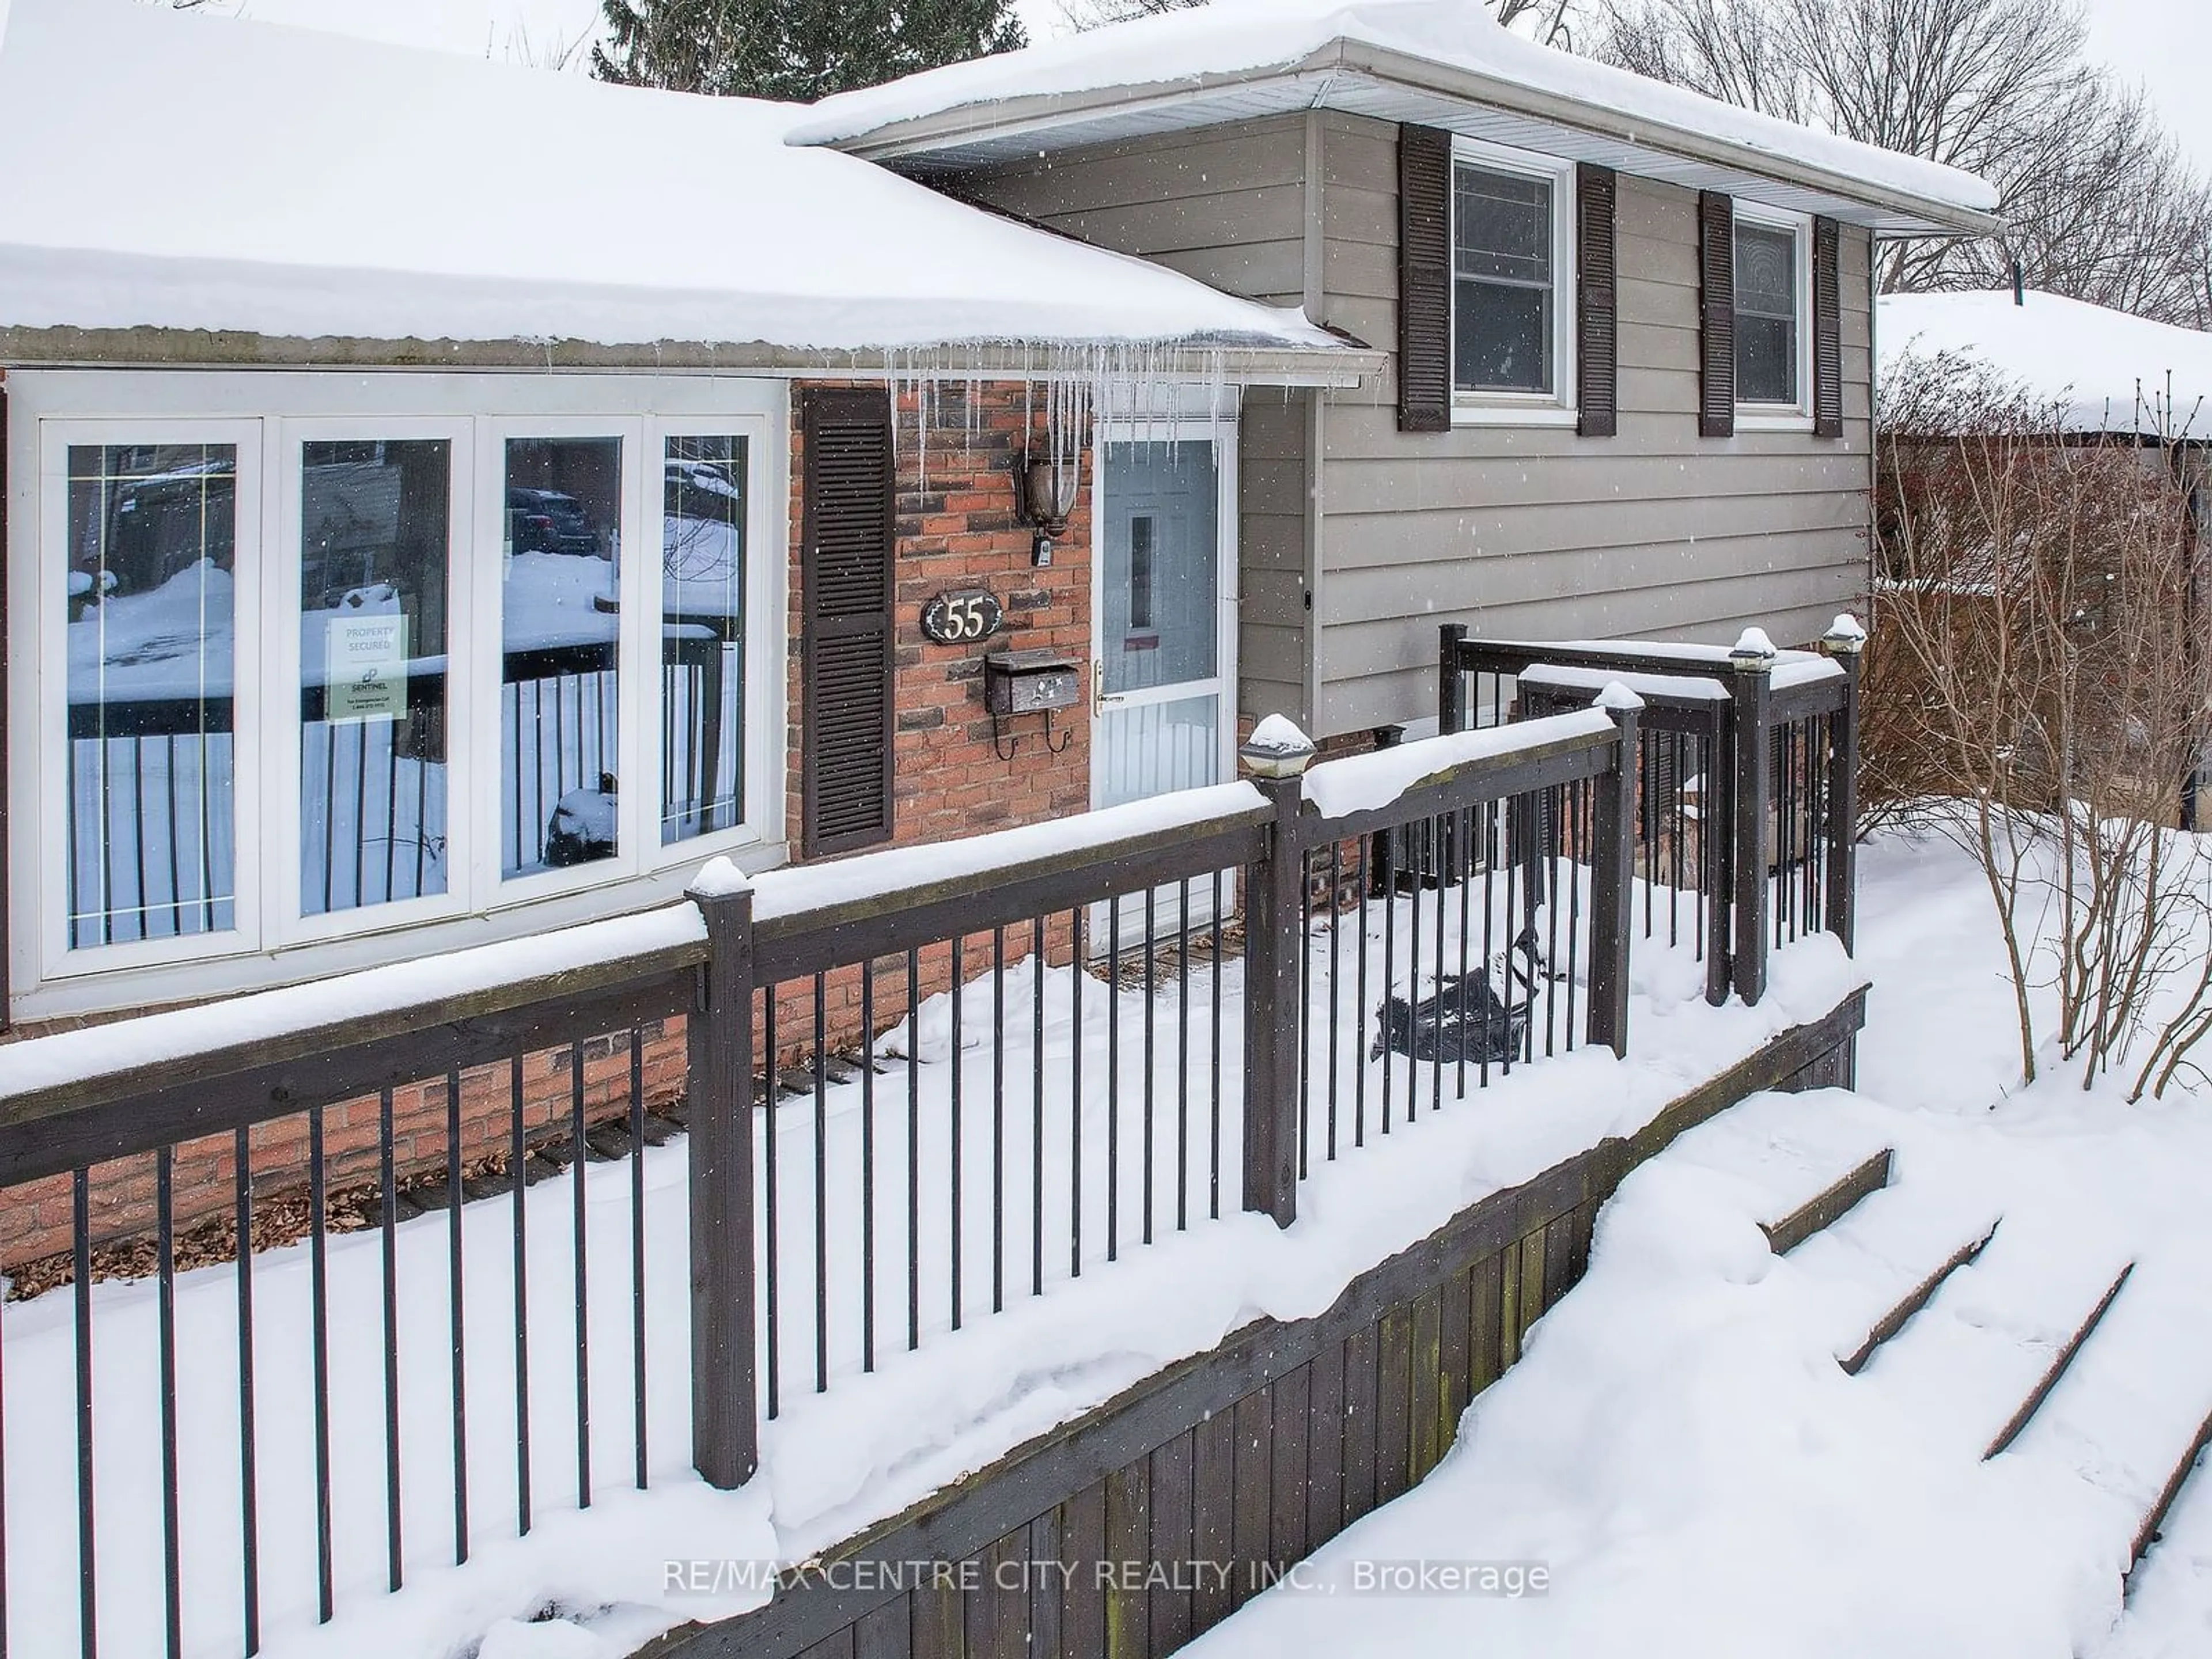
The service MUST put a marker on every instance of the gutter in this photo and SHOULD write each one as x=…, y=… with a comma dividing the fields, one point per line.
x=1343, y=366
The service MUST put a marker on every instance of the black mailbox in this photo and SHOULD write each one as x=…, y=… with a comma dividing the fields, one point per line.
x=1030, y=683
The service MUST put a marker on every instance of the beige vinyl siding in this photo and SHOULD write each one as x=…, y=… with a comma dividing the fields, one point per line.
x=1532, y=532
x=1227, y=206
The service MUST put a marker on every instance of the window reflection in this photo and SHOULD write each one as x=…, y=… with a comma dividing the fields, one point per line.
x=152, y=639
x=560, y=679
x=702, y=637
x=375, y=521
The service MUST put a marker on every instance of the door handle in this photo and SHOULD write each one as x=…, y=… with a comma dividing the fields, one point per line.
x=1097, y=687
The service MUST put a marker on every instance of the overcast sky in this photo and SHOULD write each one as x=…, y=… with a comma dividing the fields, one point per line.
x=2165, y=45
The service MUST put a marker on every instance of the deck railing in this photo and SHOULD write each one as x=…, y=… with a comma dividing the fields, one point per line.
x=1745, y=778
x=398, y=1222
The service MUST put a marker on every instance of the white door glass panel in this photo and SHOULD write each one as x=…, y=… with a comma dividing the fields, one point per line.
x=560, y=677
x=706, y=495
x=1160, y=595
x=375, y=520
x=151, y=621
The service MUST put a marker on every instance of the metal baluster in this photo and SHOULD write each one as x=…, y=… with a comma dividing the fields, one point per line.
x=913, y=1144
x=638, y=1428
x=165, y=1247
x=959, y=1144
x=1464, y=868
x=771, y=1198
x=583, y=1282
x=1335, y=993
x=1151, y=1067
x=248, y=1478
x=389, y=1265
x=518, y=1155
x=320, y=1317
x=821, y=1183
x=1036, y=1106
x=1182, y=1056
x=1113, y=1078
x=87, y=1530
x=1305, y=1002
x=1214, y=1103
x=1389, y=845
x=999, y=1119
x=1075, y=1101
x=454, y=1198
x=1440, y=837
x=868, y=1166
x=1408, y=834
x=1359, y=1044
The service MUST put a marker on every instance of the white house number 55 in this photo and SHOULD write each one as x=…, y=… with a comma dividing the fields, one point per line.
x=962, y=617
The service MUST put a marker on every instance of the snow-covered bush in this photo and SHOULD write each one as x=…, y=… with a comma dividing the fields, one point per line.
x=2037, y=687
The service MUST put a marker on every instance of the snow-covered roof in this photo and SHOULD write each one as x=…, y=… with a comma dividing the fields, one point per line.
x=163, y=170
x=1447, y=62
x=2106, y=371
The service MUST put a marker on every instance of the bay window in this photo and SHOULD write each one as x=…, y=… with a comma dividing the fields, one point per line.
x=482, y=707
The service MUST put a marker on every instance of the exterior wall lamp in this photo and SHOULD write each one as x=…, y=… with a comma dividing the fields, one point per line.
x=1044, y=499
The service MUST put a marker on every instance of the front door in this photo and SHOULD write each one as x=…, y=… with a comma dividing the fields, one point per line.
x=1162, y=675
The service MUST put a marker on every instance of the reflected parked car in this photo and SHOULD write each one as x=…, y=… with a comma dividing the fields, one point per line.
x=548, y=521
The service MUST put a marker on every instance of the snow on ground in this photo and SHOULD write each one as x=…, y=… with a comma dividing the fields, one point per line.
x=833, y=1462
x=1697, y=1475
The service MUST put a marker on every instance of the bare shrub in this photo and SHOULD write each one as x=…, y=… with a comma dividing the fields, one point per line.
x=2036, y=689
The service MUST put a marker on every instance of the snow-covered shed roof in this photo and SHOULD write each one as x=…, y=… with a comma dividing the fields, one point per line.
x=163, y=171
x=2104, y=370
x=1439, y=62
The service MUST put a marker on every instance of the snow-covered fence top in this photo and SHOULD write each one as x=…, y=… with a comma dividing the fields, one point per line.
x=1460, y=765
x=47, y=1077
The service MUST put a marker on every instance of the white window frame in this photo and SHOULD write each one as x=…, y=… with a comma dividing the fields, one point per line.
x=269, y=417
x=47, y=716
x=1762, y=416
x=281, y=784
x=1559, y=406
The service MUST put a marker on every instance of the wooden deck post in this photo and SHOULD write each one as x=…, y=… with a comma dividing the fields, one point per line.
x=1845, y=643
x=1753, y=783
x=724, y=1421
x=1274, y=1017
x=1612, y=877
x=1451, y=684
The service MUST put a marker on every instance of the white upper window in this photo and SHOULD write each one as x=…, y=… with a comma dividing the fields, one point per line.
x=1513, y=296
x=318, y=658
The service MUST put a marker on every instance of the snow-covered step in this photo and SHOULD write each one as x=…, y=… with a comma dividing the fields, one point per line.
x=1901, y=1312
x=1986, y=1335
x=1800, y=1161
x=2130, y=1412
x=2063, y=1359
x=1888, y=1250
x=1826, y=1207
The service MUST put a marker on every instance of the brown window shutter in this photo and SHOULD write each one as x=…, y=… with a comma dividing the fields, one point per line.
x=1716, y=314
x=1424, y=279
x=846, y=551
x=1597, y=327
x=1827, y=330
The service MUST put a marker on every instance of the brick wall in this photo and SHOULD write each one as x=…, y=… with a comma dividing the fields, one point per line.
x=957, y=528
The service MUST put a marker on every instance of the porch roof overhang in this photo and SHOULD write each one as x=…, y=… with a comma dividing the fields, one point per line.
x=1363, y=77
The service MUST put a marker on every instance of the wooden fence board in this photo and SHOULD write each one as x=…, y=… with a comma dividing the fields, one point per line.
x=1046, y=1589
x=1324, y=1483
x=1213, y=1482
x=1287, y=1531
x=1128, y=1535
x=1393, y=1394
x=1174, y=1537
x=1252, y=1527
x=1359, y=1423
x=1083, y=1542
